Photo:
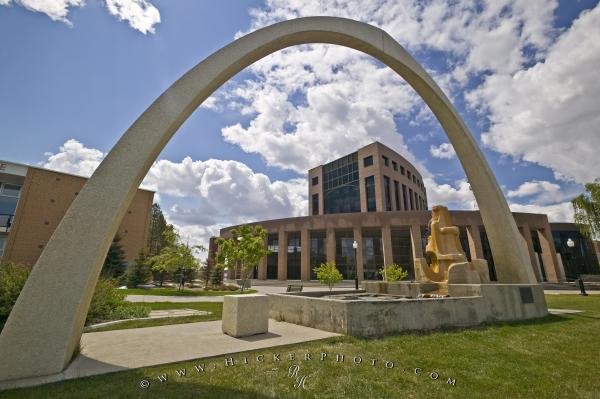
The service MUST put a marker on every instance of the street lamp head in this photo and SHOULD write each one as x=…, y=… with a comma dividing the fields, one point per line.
x=570, y=243
x=354, y=244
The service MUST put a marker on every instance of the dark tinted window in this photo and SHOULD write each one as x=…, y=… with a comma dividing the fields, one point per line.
x=315, y=204
x=370, y=191
x=368, y=161
x=315, y=180
x=340, y=185
x=318, y=251
x=372, y=250
x=386, y=161
x=387, y=191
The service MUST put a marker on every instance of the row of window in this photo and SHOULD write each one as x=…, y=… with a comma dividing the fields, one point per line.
x=345, y=259
x=368, y=161
x=371, y=247
x=411, y=199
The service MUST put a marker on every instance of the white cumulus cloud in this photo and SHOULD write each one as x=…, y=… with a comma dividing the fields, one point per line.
x=548, y=114
x=73, y=157
x=206, y=195
x=443, y=151
x=561, y=212
x=140, y=14
x=57, y=10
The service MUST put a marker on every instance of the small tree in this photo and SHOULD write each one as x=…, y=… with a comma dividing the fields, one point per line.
x=245, y=248
x=587, y=210
x=393, y=272
x=328, y=274
x=139, y=272
x=114, y=264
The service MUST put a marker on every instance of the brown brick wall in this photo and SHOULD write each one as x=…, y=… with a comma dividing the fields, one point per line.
x=45, y=198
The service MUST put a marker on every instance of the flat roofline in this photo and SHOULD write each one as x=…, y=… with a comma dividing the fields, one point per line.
x=56, y=171
x=376, y=142
x=298, y=218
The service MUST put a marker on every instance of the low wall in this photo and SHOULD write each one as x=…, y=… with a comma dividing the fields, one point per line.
x=468, y=305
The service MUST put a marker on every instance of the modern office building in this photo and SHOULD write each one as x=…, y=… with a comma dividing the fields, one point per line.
x=373, y=179
x=377, y=198
x=34, y=200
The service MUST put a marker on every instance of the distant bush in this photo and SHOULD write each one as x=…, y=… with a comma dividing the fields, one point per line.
x=224, y=287
x=216, y=277
x=393, y=272
x=12, y=280
x=328, y=274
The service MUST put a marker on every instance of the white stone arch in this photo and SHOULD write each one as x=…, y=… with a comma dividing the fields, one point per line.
x=45, y=326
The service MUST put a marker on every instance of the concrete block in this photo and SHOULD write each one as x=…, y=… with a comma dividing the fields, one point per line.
x=245, y=315
x=481, y=266
x=462, y=273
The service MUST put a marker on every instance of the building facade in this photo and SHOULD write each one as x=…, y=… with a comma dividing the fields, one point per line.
x=377, y=198
x=34, y=200
x=372, y=179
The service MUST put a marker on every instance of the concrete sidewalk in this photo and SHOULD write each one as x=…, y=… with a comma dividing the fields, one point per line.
x=261, y=289
x=110, y=351
x=164, y=298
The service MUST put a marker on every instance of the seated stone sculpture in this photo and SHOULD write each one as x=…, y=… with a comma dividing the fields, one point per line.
x=448, y=261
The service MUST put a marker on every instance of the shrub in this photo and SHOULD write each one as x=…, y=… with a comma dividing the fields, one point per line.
x=108, y=303
x=328, y=273
x=393, y=272
x=12, y=280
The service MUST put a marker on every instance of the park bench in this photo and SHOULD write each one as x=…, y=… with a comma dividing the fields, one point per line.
x=294, y=288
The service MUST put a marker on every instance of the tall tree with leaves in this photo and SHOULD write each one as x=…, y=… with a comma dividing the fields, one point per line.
x=114, y=263
x=245, y=249
x=177, y=260
x=587, y=210
x=156, y=238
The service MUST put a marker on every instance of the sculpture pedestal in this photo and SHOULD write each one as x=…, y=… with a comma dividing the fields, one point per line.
x=245, y=315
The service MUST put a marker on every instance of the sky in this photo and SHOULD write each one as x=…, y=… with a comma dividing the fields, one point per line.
x=75, y=74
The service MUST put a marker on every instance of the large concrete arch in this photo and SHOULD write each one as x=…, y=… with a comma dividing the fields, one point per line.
x=45, y=326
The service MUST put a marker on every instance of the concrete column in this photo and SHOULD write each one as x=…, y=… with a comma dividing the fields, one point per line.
x=549, y=255
x=526, y=232
x=359, y=253
x=386, y=237
x=282, y=256
x=262, y=265
x=474, y=237
x=330, y=240
x=305, y=255
x=415, y=238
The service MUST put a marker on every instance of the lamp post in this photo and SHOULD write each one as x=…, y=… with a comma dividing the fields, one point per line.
x=355, y=246
x=571, y=245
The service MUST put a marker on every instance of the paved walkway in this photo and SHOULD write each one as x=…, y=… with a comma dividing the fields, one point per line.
x=110, y=351
x=163, y=298
x=262, y=289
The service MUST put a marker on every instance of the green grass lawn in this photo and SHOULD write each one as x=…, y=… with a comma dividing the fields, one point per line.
x=554, y=357
x=215, y=308
x=175, y=292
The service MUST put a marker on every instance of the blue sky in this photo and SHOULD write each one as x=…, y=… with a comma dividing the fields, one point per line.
x=75, y=75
